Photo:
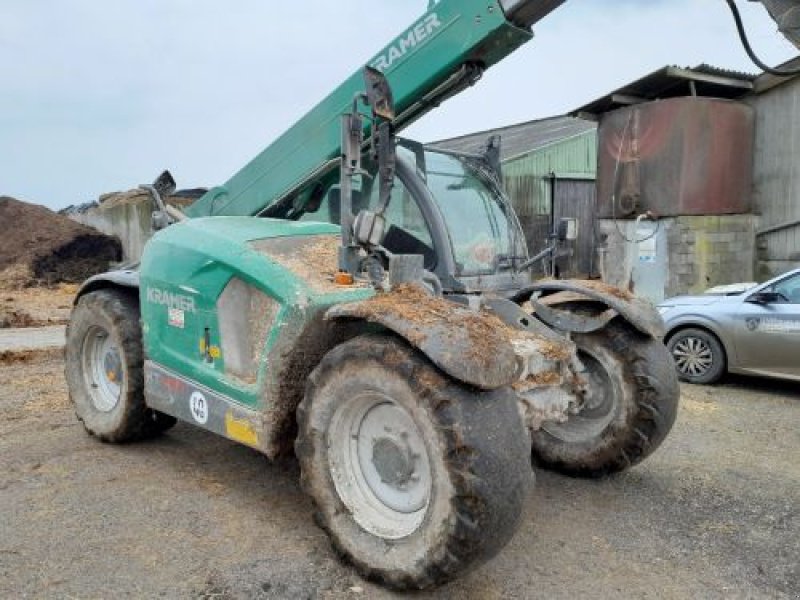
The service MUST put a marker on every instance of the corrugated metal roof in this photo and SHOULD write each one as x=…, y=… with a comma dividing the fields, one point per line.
x=519, y=139
x=671, y=82
x=730, y=73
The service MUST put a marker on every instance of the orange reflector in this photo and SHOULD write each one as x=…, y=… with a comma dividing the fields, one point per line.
x=342, y=278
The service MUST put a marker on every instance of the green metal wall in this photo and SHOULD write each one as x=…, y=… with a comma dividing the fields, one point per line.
x=526, y=177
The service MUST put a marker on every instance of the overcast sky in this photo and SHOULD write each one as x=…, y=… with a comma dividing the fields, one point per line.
x=97, y=96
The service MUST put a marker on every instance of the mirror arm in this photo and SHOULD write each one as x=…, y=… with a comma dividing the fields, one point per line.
x=532, y=261
x=419, y=154
x=366, y=230
x=352, y=141
x=387, y=164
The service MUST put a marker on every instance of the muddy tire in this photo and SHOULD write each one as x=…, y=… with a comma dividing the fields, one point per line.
x=415, y=477
x=630, y=411
x=104, y=369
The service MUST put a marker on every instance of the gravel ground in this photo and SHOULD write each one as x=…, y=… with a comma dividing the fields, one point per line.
x=44, y=305
x=714, y=514
x=32, y=338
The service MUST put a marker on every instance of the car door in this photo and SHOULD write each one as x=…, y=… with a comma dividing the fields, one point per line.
x=768, y=334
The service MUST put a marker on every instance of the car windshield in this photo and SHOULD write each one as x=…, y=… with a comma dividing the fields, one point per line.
x=482, y=228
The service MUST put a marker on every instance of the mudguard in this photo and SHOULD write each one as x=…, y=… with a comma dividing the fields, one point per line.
x=475, y=347
x=127, y=278
x=640, y=313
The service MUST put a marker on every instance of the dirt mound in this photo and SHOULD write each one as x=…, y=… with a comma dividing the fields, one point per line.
x=40, y=246
x=180, y=199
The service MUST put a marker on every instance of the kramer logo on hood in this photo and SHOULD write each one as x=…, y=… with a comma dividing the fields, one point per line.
x=414, y=37
x=171, y=300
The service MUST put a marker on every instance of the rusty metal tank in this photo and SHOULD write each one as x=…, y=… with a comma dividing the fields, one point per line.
x=681, y=156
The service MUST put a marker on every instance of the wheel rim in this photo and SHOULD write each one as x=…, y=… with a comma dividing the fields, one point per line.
x=102, y=369
x=600, y=404
x=379, y=465
x=693, y=356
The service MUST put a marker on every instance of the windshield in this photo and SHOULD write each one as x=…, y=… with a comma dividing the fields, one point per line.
x=482, y=227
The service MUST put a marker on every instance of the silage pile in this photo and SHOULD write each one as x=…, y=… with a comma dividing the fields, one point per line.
x=40, y=247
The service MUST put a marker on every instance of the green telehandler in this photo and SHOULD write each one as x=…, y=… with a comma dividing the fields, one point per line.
x=368, y=304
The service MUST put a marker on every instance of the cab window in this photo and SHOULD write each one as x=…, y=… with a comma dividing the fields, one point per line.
x=406, y=229
x=328, y=210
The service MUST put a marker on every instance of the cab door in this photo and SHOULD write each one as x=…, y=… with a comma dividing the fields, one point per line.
x=768, y=334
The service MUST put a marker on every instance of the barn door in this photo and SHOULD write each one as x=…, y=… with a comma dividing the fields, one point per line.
x=576, y=199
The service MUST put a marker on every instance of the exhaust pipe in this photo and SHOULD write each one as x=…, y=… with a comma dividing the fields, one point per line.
x=525, y=13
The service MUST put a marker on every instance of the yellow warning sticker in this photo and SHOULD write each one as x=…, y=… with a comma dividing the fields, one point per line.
x=240, y=430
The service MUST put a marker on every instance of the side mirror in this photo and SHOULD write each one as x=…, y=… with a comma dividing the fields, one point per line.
x=492, y=154
x=165, y=184
x=368, y=228
x=567, y=230
x=765, y=298
x=161, y=188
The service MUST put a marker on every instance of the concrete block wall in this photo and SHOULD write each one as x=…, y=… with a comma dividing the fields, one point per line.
x=128, y=215
x=691, y=254
x=709, y=250
x=129, y=221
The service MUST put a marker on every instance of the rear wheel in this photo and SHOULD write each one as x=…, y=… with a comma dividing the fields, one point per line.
x=104, y=369
x=414, y=477
x=630, y=407
x=698, y=356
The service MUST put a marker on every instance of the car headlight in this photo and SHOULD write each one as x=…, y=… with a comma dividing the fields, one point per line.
x=662, y=310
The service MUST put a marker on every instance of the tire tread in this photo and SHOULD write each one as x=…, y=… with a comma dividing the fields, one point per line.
x=649, y=367
x=476, y=534
x=139, y=422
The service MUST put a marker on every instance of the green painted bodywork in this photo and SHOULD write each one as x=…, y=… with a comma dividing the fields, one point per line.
x=186, y=267
x=452, y=33
x=191, y=263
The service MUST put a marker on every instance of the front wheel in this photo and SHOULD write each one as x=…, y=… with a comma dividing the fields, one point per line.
x=415, y=478
x=630, y=407
x=104, y=369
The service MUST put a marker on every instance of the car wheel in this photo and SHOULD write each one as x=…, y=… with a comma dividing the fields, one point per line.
x=699, y=356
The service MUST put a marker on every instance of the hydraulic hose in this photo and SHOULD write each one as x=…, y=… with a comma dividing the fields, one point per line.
x=737, y=17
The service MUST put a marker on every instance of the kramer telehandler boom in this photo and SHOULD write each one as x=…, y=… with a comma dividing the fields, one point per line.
x=369, y=304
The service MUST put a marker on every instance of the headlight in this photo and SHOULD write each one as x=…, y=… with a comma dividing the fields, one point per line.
x=662, y=310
